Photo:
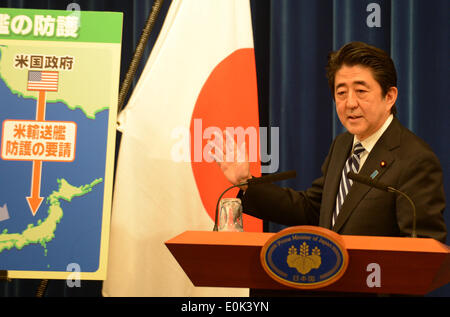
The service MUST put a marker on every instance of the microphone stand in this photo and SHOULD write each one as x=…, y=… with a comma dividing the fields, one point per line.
x=256, y=180
x=369, y=182
x=393, y=190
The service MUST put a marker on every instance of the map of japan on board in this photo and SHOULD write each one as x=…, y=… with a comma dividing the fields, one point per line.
x=59, y=76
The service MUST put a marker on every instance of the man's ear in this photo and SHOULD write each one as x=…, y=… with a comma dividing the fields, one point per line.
x=391, y=97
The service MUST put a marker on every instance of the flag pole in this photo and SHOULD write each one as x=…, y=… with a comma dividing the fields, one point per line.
x=126, y=84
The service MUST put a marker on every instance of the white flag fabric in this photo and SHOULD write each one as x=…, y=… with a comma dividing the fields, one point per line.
x=200, y=75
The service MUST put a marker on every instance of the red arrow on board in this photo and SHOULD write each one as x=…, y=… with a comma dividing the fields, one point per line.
x=35, y=200
x=40, y=111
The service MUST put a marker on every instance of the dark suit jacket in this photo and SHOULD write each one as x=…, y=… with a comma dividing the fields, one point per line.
x=411, y=166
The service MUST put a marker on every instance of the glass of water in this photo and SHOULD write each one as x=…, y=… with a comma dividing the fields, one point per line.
x=230, y=215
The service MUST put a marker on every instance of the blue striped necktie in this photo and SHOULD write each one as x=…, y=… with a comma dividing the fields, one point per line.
x=353, y=165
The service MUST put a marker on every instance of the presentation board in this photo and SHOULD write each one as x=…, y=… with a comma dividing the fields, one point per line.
x=59, y=77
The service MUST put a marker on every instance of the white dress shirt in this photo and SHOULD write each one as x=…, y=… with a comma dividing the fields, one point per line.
x=370, y=141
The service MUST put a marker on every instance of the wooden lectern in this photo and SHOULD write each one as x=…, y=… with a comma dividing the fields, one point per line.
x=410, y=266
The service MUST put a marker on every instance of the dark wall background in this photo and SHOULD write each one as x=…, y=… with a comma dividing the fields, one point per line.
x=292, y=41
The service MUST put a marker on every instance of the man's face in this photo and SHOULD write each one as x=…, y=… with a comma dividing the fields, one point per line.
x=360, y=104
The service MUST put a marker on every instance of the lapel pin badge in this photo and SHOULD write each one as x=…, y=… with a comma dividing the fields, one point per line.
x=383, y=163
x=374, y=174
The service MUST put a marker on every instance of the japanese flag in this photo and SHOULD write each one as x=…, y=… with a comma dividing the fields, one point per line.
x=200, y=78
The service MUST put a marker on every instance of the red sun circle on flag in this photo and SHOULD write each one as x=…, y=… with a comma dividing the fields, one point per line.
x=229, y=98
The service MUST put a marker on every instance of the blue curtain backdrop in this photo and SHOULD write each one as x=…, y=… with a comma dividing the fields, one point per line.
x=292, y=41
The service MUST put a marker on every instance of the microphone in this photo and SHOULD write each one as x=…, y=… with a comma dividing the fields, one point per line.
x=271, y=178
x=367, y=181
x=372, y=183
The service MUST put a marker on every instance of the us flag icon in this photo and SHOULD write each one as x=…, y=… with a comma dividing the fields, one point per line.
x=42, y=80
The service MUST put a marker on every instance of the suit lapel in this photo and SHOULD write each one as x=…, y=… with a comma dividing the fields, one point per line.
x=380, y=152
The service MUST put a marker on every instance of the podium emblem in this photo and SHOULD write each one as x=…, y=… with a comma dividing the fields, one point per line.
x=304, y=262
x=305, y=257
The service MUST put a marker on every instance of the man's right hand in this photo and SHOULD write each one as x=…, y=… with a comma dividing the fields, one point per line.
x=232, y=160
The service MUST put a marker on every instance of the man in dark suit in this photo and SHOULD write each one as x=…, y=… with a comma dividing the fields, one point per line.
x=363, y=81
